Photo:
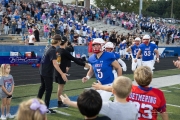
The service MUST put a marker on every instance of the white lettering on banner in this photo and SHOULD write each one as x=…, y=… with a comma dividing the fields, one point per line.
x=143, y=98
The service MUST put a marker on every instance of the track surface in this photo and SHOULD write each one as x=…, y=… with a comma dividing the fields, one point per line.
x=25, y=74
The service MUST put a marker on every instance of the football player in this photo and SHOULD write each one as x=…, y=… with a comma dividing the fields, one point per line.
x=109, y=47
x=147, y=50
x=102, y=64
x=134, y=49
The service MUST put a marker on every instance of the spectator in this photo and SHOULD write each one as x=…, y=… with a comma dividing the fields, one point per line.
x=89, y=104
x=32, y=109
x=36, y=34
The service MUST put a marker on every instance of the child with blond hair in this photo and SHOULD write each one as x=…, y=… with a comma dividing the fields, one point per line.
x=32, y=109
x=149, y=101
x=7, y=86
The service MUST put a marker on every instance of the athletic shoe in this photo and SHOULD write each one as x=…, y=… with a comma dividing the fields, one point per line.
x=50, y=111
x=3, y=117
x=63, y=106
x=9, y=115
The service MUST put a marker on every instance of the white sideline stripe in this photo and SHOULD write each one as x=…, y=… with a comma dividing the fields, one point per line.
x=173, y=105
x=175, y=88
x=63, y=113
x=165, y=91
x=60, y=112
x=40, y=83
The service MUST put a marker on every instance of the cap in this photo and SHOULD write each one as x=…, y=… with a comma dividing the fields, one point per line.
x=64, y=39
x=57, y=37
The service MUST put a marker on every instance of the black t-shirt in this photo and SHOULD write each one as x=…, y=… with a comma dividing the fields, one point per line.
x=65, y=57
x=100, y=118
x=46, y=67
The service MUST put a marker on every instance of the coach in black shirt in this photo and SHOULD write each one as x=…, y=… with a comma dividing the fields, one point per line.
x=65, y=57
x=48, y=63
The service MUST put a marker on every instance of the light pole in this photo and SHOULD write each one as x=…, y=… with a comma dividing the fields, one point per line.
x=172, y=8
x=140, y=7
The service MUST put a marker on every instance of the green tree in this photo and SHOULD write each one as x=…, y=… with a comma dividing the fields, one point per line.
x=103, y=3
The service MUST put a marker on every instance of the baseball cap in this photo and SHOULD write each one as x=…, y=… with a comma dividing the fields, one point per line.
x=64, y=39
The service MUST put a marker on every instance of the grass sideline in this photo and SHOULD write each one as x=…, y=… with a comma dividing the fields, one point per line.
x=76, y=87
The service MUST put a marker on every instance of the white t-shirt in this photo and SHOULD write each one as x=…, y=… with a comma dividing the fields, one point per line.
x=119, y=111
x=31, y=38
x=80, y=40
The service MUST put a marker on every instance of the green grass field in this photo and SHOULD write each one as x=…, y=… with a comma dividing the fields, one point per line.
x=74, y=88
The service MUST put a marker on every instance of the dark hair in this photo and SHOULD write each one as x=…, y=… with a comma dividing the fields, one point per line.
x=89, y=103
x=63, y=40
x=57, y=37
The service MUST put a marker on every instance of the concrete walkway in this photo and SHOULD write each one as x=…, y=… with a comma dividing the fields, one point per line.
x=164, y=81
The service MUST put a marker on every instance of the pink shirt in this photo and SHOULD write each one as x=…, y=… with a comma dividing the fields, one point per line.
x=46, y=28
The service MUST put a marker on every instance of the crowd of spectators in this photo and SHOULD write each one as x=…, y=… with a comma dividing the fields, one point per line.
x=45, y=18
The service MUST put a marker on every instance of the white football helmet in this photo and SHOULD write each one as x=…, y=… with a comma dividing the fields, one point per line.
x=100, y=41
x=109, y=45
x=146, y=37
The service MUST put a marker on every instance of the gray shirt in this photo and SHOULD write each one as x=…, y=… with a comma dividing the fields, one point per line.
x=119, y=111
x=7, y=82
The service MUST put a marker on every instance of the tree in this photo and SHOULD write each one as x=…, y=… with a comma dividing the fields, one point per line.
x=103, y=3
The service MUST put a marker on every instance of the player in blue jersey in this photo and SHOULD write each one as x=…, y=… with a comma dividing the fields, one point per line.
x=122, y=48
x=84, y=29
x=102, y=64
x=134, y=49
x=78, y=28
x=88, y=30
x=94, y=33
x=147, y=50
x=100, y=34
x=70, y=24
x=109, y=47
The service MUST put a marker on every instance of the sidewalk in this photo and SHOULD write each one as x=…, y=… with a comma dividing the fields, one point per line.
x=164, y=81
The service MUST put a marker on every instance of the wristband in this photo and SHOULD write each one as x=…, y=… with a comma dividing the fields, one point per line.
x=157, y=58
x=88, y=77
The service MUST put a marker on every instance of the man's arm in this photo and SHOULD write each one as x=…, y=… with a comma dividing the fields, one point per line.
x=164, y=116
x=56, y=66
x=157, y=55
x=65, y=99
x=138, y=54
x=118, y=68
x=128, y=49
x=99, y=86
x=177, y=63
x=89, y=75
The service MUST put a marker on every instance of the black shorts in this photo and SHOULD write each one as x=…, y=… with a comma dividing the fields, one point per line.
x=59, y=80
x=68, y=63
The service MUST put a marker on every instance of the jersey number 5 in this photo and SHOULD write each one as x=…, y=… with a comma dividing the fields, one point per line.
x=147, y=110
x=100, y=74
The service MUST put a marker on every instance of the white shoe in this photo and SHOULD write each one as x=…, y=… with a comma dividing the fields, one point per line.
x=3, y=117
x=9, y=115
